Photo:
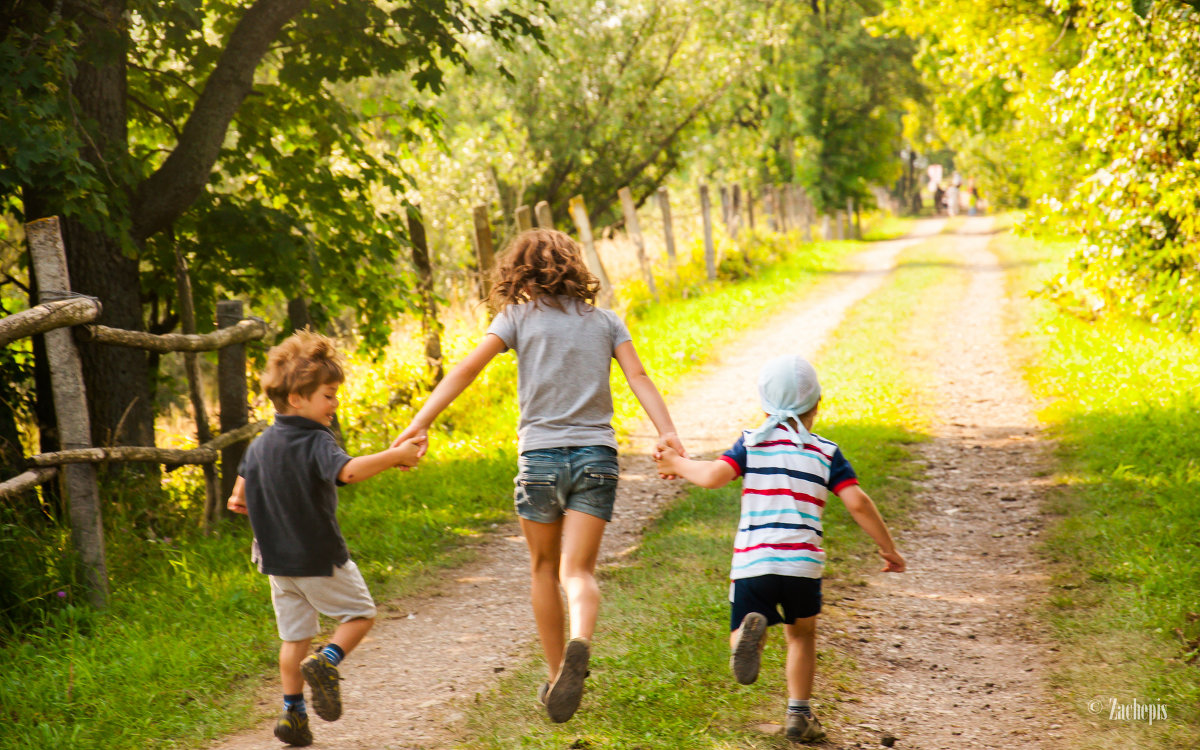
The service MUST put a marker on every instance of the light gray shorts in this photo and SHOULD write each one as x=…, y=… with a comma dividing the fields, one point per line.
x=343, y=596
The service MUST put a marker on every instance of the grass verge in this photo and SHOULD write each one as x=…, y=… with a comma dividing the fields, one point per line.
x=142, y=674
x=660, y=676
x=1122, y=400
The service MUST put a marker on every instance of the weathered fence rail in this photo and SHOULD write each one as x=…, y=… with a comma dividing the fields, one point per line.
x=48, y=316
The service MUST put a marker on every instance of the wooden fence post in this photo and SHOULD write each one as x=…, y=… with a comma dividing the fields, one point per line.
x=749, y=195
x=544, y=219
x=710, y=262
x=429, y=318
x=735, y=210
x=769, y=211
x=524, y=218
x=579, y=215
x=49, y=261
x=232, y=392
x=634, y=231
x=779, y=196
x=191, y=366
x=826, y=228
x=664, y=205
x=841, y=224
x=806, y=216
x=484, y=250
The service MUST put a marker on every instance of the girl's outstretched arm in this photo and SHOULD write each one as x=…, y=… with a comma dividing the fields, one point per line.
x=455, y=382
x=648, y=396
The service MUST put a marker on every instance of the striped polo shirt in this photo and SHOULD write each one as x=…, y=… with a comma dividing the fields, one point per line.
x=784, y=488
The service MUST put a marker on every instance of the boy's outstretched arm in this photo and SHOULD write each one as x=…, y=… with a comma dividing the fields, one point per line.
x=708, y=474
x=408, y=453
x=648, y=396
x=455, y=382
x=866, y=515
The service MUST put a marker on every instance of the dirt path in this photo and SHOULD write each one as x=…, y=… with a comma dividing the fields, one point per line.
x=404, y=686
x=948, y=652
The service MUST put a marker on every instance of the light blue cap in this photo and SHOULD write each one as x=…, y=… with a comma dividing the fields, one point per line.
x=787, y=388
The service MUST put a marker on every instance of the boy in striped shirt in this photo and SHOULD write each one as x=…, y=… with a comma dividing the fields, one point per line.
x=787, y=473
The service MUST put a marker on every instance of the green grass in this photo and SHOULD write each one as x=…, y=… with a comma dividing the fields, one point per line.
x=157, y=669
x=660, y=676
x=1123, y=400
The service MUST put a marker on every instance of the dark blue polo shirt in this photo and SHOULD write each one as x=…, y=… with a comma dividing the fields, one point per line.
x=291, y=475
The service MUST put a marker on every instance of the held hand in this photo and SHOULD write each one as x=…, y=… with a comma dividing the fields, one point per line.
x=237, y=504
x=893, y=562
x=665, y=454
x=412, y=432
x=410, y=450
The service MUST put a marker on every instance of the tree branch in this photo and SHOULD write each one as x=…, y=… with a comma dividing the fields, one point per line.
x=167, y=193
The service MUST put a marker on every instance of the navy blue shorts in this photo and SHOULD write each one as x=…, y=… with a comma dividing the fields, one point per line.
x=799, y=597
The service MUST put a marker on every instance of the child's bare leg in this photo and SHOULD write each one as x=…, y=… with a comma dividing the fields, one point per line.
x=349, y=634
x=581, y=537
x=291, y=653
x=801, y=657
x=545, y=545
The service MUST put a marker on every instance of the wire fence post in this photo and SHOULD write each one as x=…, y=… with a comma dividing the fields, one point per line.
x=484, y=250
x=634, y=231
x=664, y=205
x=579, y=215
x=710, y=259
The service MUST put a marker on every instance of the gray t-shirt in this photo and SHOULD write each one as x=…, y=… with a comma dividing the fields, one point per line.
x=563, y=363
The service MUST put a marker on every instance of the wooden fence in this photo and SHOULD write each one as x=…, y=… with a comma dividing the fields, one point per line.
x=59, y=313
x=784, y=207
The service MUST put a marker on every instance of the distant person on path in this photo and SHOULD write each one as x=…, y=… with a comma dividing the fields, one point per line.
x=778, y=560
x=567, y=470
x=287, y=483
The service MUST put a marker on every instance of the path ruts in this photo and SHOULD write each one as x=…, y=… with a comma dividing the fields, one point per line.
x=949, y=655
x=404, y=685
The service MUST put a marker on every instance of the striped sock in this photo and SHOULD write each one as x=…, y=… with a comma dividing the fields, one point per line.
x=295, y=704
x=796, y=706
x=333, y=653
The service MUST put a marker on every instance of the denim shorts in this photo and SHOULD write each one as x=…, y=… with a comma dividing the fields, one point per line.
x=551, y=481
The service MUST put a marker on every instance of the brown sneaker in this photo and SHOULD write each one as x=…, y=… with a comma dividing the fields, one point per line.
x=292, y=728
x=747, y=650
x=801, y=728
x=323, y=678
x=562, y=700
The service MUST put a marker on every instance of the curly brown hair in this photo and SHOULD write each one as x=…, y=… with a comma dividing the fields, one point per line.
x=301, y=363
x=542, y=265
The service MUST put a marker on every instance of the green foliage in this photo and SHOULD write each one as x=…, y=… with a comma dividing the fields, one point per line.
x=289, y=208
x=1088, y=109
x=1120, y=396
x=1139, y=203
x=823, y=103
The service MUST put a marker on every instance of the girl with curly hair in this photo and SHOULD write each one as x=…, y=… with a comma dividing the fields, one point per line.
x=566, y=483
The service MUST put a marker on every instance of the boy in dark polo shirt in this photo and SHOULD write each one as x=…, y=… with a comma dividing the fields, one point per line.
x=287, y=484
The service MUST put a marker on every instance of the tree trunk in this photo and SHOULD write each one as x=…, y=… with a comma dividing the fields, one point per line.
x=118, y=381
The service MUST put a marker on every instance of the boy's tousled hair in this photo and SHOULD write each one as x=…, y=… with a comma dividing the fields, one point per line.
x=541, y=265
x=301, y=363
